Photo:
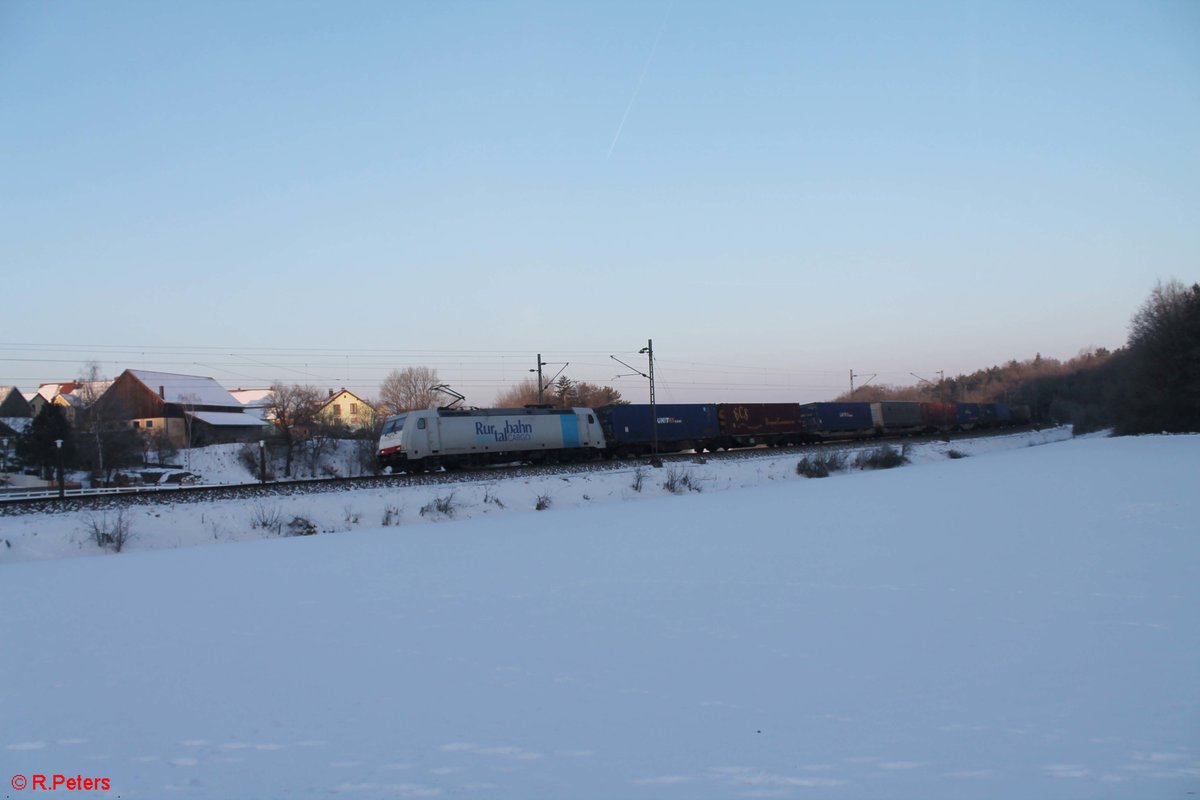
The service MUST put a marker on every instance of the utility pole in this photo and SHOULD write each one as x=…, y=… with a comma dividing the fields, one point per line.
x=539, y=372
x=649, y=351
x=542, y=385
x=940, y=385
x=853, y=376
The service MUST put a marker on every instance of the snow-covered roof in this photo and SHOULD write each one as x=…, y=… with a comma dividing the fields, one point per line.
x=227, y=418
x=17, y=424
x=49, y=391
x=81, y=392
x=252, y=397
x=186, y=389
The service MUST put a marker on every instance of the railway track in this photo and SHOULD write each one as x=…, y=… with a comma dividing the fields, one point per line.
x=249, y=491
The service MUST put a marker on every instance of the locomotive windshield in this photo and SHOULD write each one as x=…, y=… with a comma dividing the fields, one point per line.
x=394, y=424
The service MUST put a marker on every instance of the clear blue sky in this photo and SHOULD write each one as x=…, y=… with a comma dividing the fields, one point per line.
x=794, y=188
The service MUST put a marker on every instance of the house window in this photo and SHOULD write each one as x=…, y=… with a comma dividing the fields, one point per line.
x=337, y=411
x=354, y=409
x=135, y=423
x=149, y=423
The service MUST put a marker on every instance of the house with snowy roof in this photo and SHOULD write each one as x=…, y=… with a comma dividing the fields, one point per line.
x=13, y=403
x=192, y=410
x=343, y=407
x=15, y=413
x=46, y=394
x=71, y=396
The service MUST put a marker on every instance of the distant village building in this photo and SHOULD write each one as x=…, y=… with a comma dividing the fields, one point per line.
x=15, y=412
x=346, y=408
x=192, y=410
x=256, y=402
x=46, y=394
x=13, y=403
x=71, y=396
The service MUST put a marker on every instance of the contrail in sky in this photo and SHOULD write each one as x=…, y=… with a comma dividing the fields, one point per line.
x=641, y=78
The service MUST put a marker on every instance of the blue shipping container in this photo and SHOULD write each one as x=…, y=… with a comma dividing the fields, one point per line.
x=975, y=414
x=836, y=417
x=630, y=424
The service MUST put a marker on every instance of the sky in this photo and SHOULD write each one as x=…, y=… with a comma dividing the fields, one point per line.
x=775, y=193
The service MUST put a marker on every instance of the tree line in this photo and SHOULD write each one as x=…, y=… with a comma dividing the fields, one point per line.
x=1151, y=384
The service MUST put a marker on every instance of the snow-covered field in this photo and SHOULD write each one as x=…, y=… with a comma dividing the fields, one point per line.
x=1019, y=623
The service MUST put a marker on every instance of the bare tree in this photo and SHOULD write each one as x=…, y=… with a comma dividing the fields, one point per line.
x=523, y=394
x=1162, y=387
x=294, y=409
x=90, y=418
x=366, y=446
x=188, y=403
x=592, y=396
x=564, y=392
x=409, y=388
x=105, y=443
x=320, y=436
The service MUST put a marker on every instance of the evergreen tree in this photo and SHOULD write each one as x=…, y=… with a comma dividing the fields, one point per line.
x=37, y=445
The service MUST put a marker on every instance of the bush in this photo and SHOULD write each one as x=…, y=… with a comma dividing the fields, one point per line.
x=391, y=516
x=955, y=454
x=884, y=457
x=114, y=532
x=543, y=502
x=678, y=482
x=821, y=466
x=301, y=526
x=639, y=477
x=443, y=506
x=267, y=518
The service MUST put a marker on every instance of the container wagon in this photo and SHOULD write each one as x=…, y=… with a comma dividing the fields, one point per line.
x=751, y=424
x=969, y=416
x=938, y=416
x=897, y=417
x=836, y=420
x=629, y=429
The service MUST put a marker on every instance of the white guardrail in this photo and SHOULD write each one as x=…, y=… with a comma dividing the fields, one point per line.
x=42, y=494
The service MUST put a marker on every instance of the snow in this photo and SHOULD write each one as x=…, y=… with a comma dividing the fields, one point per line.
x=255, y=398
x=234, y=418
x=1018, y=623
x=17, y=424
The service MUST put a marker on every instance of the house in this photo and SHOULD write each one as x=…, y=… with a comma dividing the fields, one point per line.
x=346, y=408
x=15, y=413
x=13, y=403
x=191, y=410
x=46, y=394
x=70, y=395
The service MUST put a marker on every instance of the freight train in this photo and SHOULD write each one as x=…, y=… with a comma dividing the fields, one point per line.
x=428, y=439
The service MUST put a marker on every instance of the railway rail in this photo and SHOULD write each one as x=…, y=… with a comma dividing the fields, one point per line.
x=84, y=500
